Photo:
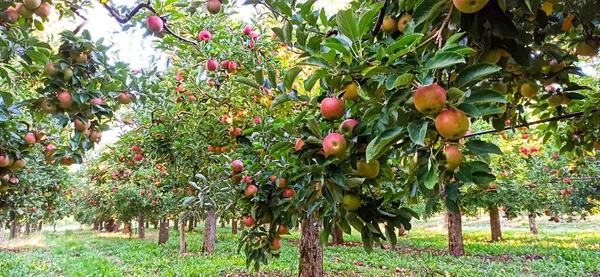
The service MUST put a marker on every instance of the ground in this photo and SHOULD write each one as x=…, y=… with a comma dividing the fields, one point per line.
x=560, y=250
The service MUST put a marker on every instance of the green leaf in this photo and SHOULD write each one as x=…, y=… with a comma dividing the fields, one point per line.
x=354, y=182
x=315, y=61
x=431, y=177
x=367, y=239
x=443, y=60
x=310, y=82
x=478, y=147
x=425, y=10
x=346, y=22
x=280, y=100
x=474, y=73
x=366, y=19
x=452, y=206
x=417, y=130
x=380, y=144
x=290, y=77
x=404, y=80
x=313, y=125
x=247, y=81
x=485, y=95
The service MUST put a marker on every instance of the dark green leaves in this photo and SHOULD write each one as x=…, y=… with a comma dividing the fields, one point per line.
x=475, y=73
x=476, y=172
x=417, y=131
x=443, y=60
x=247, y=81
x=346, y=22
x=485, y=95
x=380, y=144
x=478, y=147
x=290, y=77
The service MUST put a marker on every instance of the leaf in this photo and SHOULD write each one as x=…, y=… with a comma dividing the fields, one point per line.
x=366, y=19
x=474, y=73
x=478, y=147
x=379, y=145
x=367, y=238
x=452, y=206
x=247, y=81
x=310, y=82
x=404, y=80
x=443, y=60
x=346, y=22
x=280, y=100
x=485, y=95
x=431, y=177
x=290, y=77
x=315, y=61
x=424, y=10
x=313, y=125
x=417, y=130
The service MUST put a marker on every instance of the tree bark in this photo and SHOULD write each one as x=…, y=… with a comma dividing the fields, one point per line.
x=532, y=224
x=210, y=232
x=191, y=225
x=110, y=224
x=95, y=225
x=155, y=223
x=495, y=223
x=141, y=231
x=147, y=224
x=338, y=235
x=401, y=231
x=234, y=226
x=27, y=228
x=175, y=225
x=222, y=223
x=311, y=253
x=182, y=244
x=115, y=226
x=14, y=229
x=163, y=234
x=455, y=238
x=40, y=226
x=127, y=228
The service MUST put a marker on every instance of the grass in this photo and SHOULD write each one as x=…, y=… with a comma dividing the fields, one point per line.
x=559, y=250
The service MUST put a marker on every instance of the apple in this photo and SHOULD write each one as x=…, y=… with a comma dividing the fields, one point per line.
x=67, y=74
x=470, y=6
x=24, y=11
x=524, y=136
x=556, y=219
x=565, y=99
x=547, y=213
x=588, y=48
x=96, y=101
x=124, y=98
x=289, y=193
x=333, y=108
x=250, y=190
x=529, y=90
x=40, y=135
x=500, y=87
x=555, y=100
x=238, y=166
x=334, y=144
x=247, y=30
x=283, y=183
x=212, y=65
x=138, y=157
x=17, y=165
x=48, y=107
x=213, y=6
x=351, y=202
x=452, y=124
x=237, y=131
x=232, y=67
x=154, y=24
x=80, y=126
x=11, y=15
x=65, y=99
x=283, y=230
x=351, y=92
x=504, y=209
x=205, y=36
x=30, y=139
x=347, y=127
x=276, y=245
x=95, y=136
x=403, y=21
x=52, y=69
x=524, y=150
x=32, y=4
x=389, y=25
x=369, y=170
x=453, y=157
x=430, y=100
x=248, y=221
x=299, y=144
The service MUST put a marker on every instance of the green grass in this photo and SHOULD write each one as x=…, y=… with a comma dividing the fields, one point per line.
x=560, y=250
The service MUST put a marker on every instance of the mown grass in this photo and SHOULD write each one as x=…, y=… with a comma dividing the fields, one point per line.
x=559, y=250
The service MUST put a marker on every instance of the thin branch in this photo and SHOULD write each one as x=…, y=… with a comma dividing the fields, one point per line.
x=557, y=118
x=440, y=39
x=379, y=20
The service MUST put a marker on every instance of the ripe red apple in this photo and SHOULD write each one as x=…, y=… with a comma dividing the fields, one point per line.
x=504, y=208
x=212, y=65
x=556, y=219
x=238, y=166
x=96, y=101
x=154, y=24
x=224, y=64
x=135, y=148
x=334, y=144
x=470, y=6
x=213, y=6
x=547, y=213
x=369, y=170
x=430, y=99
x=205, y=36
x=283, y=183
x=11, y=15
x=232, y=67
x=299, y=144
x=333, y=108
x=30, y=139
x=289, y=193
x=251, y=190
x=351, y=202
x=65, y=100
x=453, y=157
x=247, y=30
x=247, y=180
x=248, y=221
x=238, y=131
x=80, y=126
x=283, y=230
x=276, y=245
x=138, y=157
x=347, y=127
x=524, y=150
x=95, y=136
x=452, y=124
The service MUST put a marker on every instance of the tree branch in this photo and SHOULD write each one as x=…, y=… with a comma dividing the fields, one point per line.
x=379, y=20
x=440, y=39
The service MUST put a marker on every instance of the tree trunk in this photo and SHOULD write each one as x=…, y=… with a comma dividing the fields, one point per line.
x=141, y=231
x=495, y=223
x=338, y=235
x=147, y=224
x=191, y=225
x=127, y=228
x=222, y=223
x=455, y=238
x=210, y=232
x=182, y=246
x=155, y=223
x=54, y=227
x=110, y=225
x=311, y=253
x=234, y=226
x=27, y=228
x=40, y=226
x=95, y=225
x=532, y=224
x=14, y=229
x=163, y=234
x=175, y=225
x=401, y=231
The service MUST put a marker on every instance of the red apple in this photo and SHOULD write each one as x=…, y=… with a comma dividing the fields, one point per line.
x=333, y=108
x=250, y=191
x=299, y=144
x=283, y=230
x=238, y=166
x=430, y=99
x=452, y=124
x=282, y=183
x=334, y=144
x=454, y=157
x=65, y=100
x=248, y=221
x=347, y=127
x=30, y=139
x=212, y=65
x=154, y=24
x=289, y=193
